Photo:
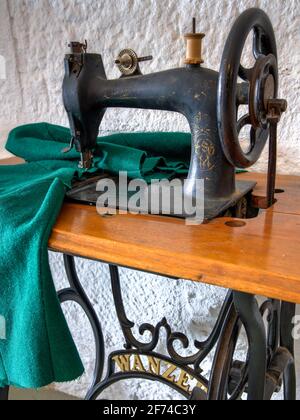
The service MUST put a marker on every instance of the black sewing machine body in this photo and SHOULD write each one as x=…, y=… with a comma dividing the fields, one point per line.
x=191, y=91
x=208, y=99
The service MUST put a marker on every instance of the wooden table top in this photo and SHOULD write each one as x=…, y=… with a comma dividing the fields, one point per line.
x=262, y=257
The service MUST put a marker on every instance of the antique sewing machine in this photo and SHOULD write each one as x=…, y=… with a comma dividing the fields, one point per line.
x=209, y=100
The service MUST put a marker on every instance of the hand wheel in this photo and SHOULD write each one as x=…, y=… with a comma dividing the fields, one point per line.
x=260, y=85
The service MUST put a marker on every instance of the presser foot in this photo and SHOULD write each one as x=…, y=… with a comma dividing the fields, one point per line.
x=237, y=205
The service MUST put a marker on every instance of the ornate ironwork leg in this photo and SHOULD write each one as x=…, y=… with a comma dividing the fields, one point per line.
x=140, y=361
x=4, y=393
x=269, y=360
x=126, y=325
x=288, y=311
x=250, y=315
x=76, y=294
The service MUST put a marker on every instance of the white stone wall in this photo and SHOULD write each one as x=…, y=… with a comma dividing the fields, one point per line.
x=33, y=40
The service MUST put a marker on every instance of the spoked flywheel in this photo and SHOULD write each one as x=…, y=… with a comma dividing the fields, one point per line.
x=258, y=90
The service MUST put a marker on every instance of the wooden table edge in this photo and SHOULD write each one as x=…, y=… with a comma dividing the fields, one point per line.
x=212, y=272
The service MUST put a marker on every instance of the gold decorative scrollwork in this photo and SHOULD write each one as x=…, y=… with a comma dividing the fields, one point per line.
x=206, y=152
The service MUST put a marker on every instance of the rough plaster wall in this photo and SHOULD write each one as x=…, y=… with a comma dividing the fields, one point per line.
x=33, y=39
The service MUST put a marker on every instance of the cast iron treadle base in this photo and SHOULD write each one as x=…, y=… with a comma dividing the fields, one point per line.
x=86, y=192
x=270, y=359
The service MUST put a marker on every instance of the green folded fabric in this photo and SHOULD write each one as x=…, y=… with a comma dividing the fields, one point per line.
x=142, y=155
x=37, y=348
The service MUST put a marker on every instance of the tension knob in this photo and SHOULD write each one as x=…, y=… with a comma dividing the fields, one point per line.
x=128, y=62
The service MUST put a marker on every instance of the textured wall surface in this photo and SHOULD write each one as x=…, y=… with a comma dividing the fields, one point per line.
x=33, y=40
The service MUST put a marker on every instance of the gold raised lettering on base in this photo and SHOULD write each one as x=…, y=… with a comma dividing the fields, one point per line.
x=155, y=367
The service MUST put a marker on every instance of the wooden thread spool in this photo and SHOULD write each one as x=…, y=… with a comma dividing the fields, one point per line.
x=194, y=48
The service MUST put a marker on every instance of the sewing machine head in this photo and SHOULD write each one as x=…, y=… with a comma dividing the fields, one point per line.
x=209, y=100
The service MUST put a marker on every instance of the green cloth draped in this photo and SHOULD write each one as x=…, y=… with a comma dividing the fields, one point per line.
x=36, y=347
x=142, y=155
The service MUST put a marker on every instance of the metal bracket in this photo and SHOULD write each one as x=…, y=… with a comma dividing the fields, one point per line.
x=275, y=108
x=76, y=58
